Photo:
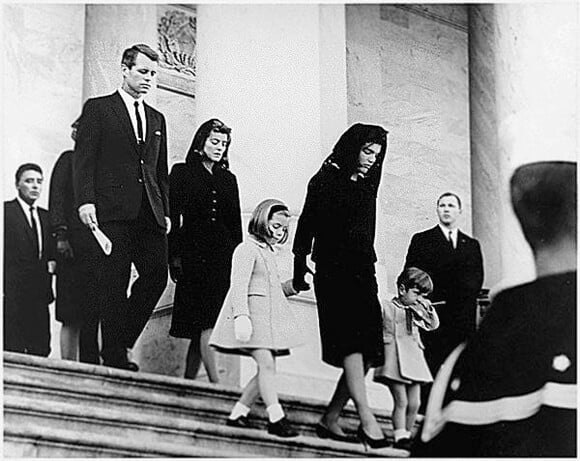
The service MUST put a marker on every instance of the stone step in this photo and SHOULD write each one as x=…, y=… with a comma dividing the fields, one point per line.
x=149, y=394
x=162, y=436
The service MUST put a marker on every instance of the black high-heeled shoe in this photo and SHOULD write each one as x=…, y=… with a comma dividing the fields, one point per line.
x=368, y=441
x=324, y=432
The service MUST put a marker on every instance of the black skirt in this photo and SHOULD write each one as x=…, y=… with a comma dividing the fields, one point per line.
x=200, y=293
x=349, y=313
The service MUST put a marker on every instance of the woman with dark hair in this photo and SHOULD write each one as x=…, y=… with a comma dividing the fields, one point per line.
x=206, y=228
x=337, y=225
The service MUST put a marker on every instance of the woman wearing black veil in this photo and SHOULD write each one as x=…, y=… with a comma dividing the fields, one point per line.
x=206, y=228
x=337, y=225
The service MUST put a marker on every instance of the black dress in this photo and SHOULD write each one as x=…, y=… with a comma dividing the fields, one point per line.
x=206, y=228
x=338, y=224
x=71, y=274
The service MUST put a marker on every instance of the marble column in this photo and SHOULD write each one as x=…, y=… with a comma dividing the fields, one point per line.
x=523, y=66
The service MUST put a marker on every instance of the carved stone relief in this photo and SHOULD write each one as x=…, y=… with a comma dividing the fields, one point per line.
x=176, y=39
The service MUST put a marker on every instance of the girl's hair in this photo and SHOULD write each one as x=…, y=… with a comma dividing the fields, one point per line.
x=258, y=226
x=203, y=132
x=411, y=277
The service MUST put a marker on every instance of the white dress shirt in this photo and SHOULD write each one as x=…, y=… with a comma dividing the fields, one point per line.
x=26, y=208
x=450, y=233
x=130, y=104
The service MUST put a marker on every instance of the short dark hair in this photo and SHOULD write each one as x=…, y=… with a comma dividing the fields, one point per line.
x=258, y=226
x=544, y=198
x=26, y=167
x=411, y=277
x=130, y=54
x=449, y=194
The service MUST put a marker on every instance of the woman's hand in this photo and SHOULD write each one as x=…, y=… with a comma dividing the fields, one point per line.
x=175, y=268
x=243, y=328
x=300, y=271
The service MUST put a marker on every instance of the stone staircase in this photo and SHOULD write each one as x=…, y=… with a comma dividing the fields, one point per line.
x=55, y=408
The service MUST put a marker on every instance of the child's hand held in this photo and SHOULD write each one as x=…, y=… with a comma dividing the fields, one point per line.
x=243, y=328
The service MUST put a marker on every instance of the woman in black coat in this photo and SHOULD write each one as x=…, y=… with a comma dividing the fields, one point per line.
x=206, y=227
x=338, y=225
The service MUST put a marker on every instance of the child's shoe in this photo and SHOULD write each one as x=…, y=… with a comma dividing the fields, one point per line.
x=282, y=428
x=240, y=421
x=403, y=444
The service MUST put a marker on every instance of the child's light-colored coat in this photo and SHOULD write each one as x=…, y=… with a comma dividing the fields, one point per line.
x=256, y=291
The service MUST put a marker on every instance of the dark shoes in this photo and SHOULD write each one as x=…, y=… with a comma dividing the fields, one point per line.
x=282, y=429
x=403, y=444
x=325, y=433
x=241, y=421
x=369, y=442
x=122, y=365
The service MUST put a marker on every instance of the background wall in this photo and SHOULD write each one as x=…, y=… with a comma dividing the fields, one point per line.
x=407, y=70
x=42, y=69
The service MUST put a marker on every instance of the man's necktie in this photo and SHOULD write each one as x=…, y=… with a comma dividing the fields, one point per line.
x=34, y=226
x=451, y=239
x=139, y=124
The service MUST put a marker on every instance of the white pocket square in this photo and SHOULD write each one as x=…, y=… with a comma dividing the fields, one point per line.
x=158, y=133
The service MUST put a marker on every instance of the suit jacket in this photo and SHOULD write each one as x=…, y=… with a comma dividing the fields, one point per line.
x=110, y=168
x=457, y=274
x=27, y=282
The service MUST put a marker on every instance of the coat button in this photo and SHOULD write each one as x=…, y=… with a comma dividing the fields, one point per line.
x=213, y=219
x=214, y=192
x=142, y=162
x=140, y=180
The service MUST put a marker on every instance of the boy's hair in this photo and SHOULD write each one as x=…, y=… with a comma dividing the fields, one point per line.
x=411, y=277
x=258, y=226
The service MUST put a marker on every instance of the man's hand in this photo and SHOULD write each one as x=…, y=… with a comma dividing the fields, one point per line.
x=167, y=225
x=64, y=249
x=88, y=215
x=300, y=271
x=175, y=268
x=243, y=328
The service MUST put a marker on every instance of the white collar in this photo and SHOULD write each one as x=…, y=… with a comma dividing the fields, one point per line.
x=446, y=231
x=26, y=207
x=128, y=99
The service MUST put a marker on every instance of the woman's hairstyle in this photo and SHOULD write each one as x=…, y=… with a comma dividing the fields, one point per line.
x=258, y=226
x=345, y=154
x=203, y=132
x=411, y=277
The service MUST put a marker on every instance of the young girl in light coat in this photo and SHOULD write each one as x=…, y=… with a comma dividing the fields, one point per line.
x=405, y=367
x=256, y=319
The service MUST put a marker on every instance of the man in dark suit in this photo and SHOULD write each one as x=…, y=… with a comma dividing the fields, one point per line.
x=511, y=390
x=454, y=262
x=28, y=249
x=121, y=186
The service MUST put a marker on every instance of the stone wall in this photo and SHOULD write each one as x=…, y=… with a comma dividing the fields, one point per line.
x=407, y=70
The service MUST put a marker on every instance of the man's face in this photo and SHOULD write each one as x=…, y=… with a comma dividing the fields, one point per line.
x=138, y=79
x=29, y=186
x=448, y=210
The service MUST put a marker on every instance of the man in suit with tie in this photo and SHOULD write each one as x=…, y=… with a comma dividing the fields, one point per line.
x=28, y=248
x=455, y=264
x=121, y=186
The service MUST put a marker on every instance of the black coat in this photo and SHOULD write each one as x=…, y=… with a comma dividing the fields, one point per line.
x=457, y=276
x=109, y=167
x=206, y=228
x=338, y=225
x=63, y=214
x=512, y=391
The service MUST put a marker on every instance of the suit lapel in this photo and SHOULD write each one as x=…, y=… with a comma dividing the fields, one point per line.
x=121, y=111
x=152, y=127
x=23, y=221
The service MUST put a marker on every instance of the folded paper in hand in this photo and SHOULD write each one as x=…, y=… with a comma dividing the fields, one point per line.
x=103, y=240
